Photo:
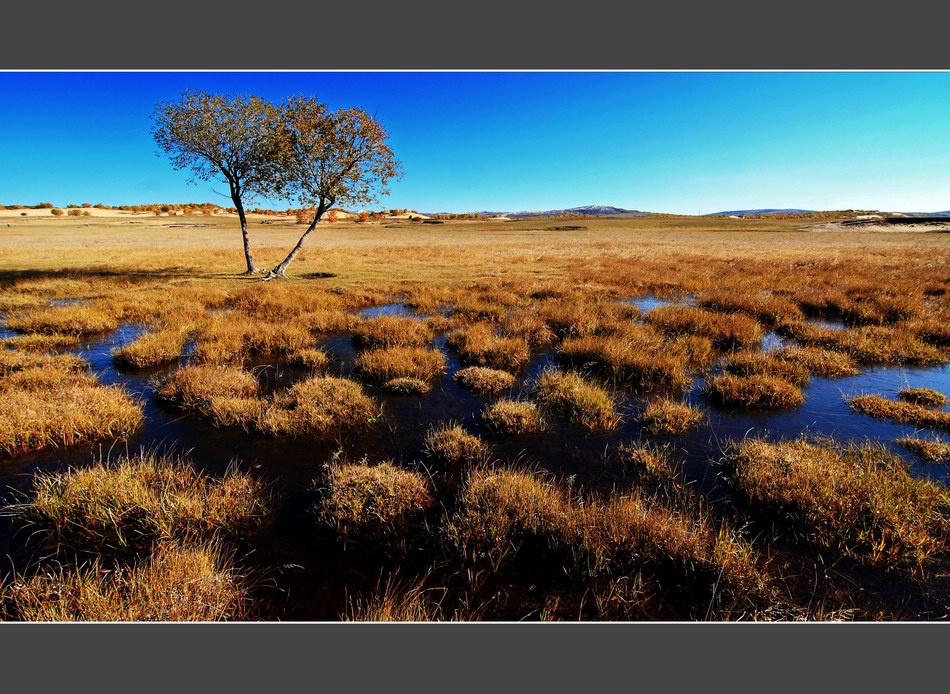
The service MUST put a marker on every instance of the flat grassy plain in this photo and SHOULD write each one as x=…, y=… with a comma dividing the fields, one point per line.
x=456, y=507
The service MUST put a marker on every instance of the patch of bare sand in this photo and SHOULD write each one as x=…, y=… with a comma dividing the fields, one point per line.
x=877, y=227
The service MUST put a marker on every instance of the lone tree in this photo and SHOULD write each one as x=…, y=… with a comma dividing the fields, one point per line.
x=222, y=137
x=330, y=158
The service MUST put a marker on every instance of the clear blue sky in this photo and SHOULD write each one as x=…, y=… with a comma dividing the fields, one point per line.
x=676, y=142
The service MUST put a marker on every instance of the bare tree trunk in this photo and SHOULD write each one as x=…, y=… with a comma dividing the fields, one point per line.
x=280, y=270
x=236, y=199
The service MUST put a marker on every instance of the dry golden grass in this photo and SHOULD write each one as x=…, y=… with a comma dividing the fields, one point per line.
x=512, y=417
x=390, y=331
x=857, y=499
x=177, y=583
x=753, y=391
x=478, y=345
x=407, y=386
x=451, y=443
x=387, y=363
x=664, y=416
x=197, y=387
x=581, y=400
x=928, y=397
x=502, y=511
x=140, y=499
x=372, y=501
x=317, y=406
x=152, y=348
x=395, y=601
x=48, y=401
x=484, y=380
x=932, y=450
x=638, y=358
x=904, y=412
x=68, y=320
x=725, y=330
x=768, y=364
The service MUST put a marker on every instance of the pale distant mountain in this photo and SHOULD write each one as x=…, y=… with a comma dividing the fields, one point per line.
x=603, y=210
x=763, y=211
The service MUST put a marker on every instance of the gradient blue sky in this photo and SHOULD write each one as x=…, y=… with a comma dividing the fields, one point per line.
x=687, y=143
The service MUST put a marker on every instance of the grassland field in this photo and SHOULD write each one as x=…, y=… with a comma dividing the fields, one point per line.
x=462, y=512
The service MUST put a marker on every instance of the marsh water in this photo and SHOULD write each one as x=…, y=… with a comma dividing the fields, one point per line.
x=307, y=575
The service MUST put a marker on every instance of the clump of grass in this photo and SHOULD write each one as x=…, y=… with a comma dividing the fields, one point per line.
x=512, y=417
x=308, y=357
x=664, y=416
x=634, y=532
x=581, y=400
x=857, y=499
x=372, y=501
x=318, y=405
x=933, y=450
x=478, y=345
x=870, y=344
x=725, y=330
x=64, y=320
x=638, y=359
x=904, y=412
x=753, y=391
x=770, y=308
x=40, y=342
x=499, y=510
x=177, y=583
x=927, y=397
x=819, y=362
x=152, y=348
x=401, y=362
x=395, y=601
x=484, y=380
x=197, y=387
x=390, y=331
x=407, y=386
x=502, y=512
x=646, y=461
x=452, y=444
x=140, y=499
x=763, y=364
x=12, y=361
x=46, y=402
x=528, y=326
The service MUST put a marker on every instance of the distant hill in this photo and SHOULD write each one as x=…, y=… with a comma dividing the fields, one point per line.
x=604, y=210
x=763, y=211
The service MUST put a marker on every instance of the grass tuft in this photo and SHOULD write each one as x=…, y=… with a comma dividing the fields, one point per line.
x=904, y=412
x=857, y=499
x=512, y=418
x=928, y=397
x=484, y=380
x=582, y=401
x=177, y=583
x=753, y=391
x=451, y=444
x=372, y=501
x=140, y=499
x=664, y=416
